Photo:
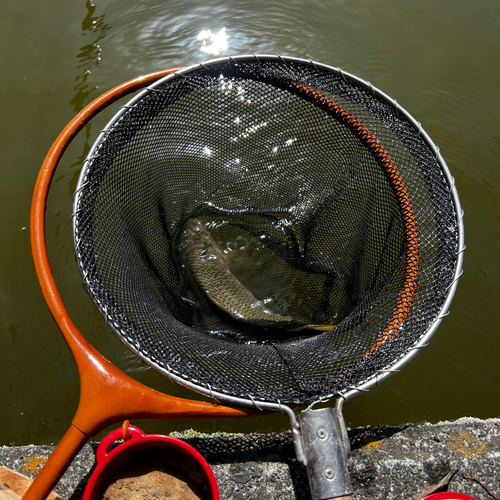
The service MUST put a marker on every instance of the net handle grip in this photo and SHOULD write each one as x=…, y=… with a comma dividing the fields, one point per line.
x=107, y=395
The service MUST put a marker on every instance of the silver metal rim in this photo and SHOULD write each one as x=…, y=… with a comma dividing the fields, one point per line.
x=248, y=400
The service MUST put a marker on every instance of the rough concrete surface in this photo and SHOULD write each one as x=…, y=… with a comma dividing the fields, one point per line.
x=386, y=463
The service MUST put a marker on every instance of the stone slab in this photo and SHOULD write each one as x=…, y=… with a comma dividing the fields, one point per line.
x=386, y=463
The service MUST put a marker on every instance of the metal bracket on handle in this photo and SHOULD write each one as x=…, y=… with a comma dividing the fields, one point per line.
x=325, y=446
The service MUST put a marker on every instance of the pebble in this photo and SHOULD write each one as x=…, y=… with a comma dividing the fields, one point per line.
x=241, y=477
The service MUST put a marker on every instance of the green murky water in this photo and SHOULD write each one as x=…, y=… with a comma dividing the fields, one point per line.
x=437, y=58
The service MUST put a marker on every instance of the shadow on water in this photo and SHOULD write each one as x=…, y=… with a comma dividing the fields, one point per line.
x=89, y=58
x=433, y=57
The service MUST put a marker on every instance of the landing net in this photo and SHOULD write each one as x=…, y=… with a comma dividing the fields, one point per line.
x=267, y=228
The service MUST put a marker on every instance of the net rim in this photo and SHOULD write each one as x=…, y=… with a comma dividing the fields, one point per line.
x=376, y=378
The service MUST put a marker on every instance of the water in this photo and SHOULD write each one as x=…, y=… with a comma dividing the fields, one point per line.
x=436, y=58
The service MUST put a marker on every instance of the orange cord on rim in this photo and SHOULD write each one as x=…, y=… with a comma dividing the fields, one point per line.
x=409, y=290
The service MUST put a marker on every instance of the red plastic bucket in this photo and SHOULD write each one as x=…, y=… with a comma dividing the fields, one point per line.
x=448, y=495
x=139, y=448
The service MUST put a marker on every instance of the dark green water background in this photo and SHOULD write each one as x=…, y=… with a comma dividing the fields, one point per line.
x=438, y=58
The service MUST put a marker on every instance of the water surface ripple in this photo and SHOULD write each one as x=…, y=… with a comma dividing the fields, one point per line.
x=438, y=59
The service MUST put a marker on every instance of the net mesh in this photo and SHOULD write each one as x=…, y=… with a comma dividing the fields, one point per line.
x=275, y=187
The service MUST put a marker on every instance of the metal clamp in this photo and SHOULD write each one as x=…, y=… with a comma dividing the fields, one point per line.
x=325, y=445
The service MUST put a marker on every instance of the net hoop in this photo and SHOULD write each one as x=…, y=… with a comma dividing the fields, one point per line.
x=400, y=314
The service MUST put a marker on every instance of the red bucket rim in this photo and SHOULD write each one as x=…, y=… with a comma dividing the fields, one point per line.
x=449, y=495
x=139, y=441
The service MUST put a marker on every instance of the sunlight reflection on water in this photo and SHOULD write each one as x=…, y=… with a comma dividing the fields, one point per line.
x=212, y=43
x=433, y=57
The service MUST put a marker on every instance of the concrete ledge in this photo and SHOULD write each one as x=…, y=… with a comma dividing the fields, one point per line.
x=386, y=463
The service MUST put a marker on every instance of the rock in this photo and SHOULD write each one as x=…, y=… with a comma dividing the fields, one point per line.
x=386, y=463
x=241, y=477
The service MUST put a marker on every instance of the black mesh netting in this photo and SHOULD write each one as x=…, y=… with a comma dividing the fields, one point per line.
x=235, y=191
